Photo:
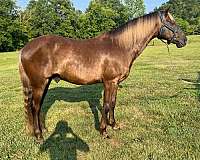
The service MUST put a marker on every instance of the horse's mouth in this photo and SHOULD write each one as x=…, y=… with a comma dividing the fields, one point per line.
x=168, y=42
x=180, y=44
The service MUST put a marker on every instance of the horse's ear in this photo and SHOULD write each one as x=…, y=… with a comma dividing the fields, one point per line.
x=167, y=11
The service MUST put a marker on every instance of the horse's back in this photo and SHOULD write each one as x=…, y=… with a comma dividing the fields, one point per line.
x=73, y=60
x=77, y=61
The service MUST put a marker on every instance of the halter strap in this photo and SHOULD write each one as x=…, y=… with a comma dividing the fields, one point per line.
x=167, y=25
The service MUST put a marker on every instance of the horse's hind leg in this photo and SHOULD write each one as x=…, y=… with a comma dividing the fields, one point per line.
x=38, y=91
x=42, y=116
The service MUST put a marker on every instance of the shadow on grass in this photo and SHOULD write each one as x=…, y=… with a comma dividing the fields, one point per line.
x=63, y=143
x=195, y=83
x=198, y=86
x=90, y=93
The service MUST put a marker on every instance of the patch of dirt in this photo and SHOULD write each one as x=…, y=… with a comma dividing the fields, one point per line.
x=115, y=143
x=140, y=115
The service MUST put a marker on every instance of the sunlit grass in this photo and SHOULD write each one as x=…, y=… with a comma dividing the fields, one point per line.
x=158, y=113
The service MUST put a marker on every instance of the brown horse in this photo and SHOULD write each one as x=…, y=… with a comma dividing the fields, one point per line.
x=104, y=59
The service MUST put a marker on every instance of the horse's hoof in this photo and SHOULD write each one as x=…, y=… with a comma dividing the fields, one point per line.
x=116, y=127
x=40, y=140
x=104, y=134
x=39, y=137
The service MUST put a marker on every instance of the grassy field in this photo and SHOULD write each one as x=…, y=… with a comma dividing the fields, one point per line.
x=159, y=115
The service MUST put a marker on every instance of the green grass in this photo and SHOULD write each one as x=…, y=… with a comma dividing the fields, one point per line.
x=159, y=114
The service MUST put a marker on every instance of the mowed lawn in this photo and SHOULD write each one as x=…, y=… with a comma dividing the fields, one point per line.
x=159, y=114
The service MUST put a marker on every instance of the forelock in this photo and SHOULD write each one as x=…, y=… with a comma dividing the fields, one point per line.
x=171, y=17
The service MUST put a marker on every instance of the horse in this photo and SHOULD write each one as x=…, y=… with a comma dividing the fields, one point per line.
x=106, y=59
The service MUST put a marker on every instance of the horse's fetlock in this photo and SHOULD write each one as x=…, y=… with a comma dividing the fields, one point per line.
x=37, y=131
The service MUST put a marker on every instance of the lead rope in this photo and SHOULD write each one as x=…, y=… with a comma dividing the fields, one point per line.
x=170, y=55
x=172, y=67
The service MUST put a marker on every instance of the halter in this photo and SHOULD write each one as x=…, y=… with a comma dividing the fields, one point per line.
x=167, y=25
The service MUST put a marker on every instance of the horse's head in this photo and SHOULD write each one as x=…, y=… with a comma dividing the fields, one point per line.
x=170, y=31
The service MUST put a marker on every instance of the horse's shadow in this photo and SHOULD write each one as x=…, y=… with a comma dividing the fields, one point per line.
x=63, y=143
x=90, y=93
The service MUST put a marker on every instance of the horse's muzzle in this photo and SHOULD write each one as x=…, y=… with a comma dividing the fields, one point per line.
x=182, y=43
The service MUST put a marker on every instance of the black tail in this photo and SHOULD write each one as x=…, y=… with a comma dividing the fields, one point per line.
x=27, y=89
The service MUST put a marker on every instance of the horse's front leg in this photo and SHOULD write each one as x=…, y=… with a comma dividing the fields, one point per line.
x=112, y=121
x=105, y=110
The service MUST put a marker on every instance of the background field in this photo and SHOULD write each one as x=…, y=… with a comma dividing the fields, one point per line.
x=159, y=114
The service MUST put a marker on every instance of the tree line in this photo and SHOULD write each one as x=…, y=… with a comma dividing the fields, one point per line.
x=60, y=17
x=187, y=14
x=42, y=17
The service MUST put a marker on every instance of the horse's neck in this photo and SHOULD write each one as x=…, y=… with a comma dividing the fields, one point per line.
x=133, y=38
x=142, y=43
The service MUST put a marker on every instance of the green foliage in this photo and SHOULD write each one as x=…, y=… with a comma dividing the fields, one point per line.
x=188, y=10
x=135, y=8
x=50, y=17
x=183, y=24
x=103, y=15
x=158, y=114
x=11, y=33
x=43, y=17
x=119, y=8
x=97, y=19
x=66, y=18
